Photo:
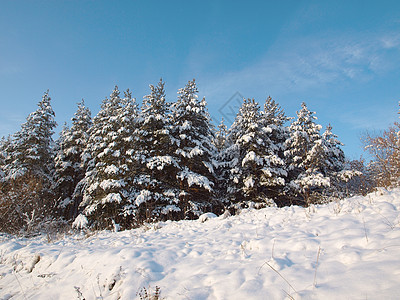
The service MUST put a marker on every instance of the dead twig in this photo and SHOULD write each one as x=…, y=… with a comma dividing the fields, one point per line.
x=277, y=272
x=316, y=266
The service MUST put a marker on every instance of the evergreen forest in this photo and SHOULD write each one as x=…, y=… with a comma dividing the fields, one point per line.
x=130, y=164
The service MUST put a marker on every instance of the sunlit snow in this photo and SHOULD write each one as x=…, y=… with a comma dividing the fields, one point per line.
x=342, y=250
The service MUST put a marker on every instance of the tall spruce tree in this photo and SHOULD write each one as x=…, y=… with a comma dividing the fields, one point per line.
x=32, y=147
x=107, y=194
x=5, y=203
x=127, y=143
x=30, y=166
x=193, y=148
x=243, y=136
x=4, y=149
x=158, y=196
x=306, y=154
x=68, y=161
x=335, y=158
x=273, y=120
x=220, y=136
x=334, y=164
x=221, y=143
x=255, y=162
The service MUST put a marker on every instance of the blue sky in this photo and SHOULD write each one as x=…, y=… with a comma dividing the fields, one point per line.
x=341, y=57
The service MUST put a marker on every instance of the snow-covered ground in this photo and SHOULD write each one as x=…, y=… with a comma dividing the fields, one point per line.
x=344, y=250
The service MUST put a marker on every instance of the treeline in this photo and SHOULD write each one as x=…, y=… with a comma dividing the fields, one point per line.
x=166, y=161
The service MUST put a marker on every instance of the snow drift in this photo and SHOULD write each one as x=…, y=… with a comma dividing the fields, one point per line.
x=348, y=249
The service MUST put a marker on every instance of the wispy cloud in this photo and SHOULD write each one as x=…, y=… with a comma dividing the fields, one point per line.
x=315, y=67
x=391, y=41
x=303, y=64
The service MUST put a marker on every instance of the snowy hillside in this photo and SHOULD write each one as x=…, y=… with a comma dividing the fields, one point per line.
x=344, y=250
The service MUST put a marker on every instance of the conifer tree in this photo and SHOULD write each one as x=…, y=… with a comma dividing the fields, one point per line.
x=273, y=120
x=335, y=158
x=243, y=136
x=220, y=136
x=30, y=166
x=32, y=151
x=342, y=175
x=307, y=158
x=222, y=162
x=68, y=161
x=5, y=203
x=256, y=165
x=157, y=198
x=193, y=148
x=4, y=149
x=107, y=194
x=127, y=143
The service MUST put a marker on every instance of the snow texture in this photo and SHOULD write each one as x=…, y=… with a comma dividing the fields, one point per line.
x=342, y=250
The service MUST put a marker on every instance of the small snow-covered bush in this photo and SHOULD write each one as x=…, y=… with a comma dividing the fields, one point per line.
x=206, y=217
x=80, y=222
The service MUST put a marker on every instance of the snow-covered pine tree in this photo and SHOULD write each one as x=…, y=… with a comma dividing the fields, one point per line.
x=3, y=155
x=30, y=167
x=220, y=136
x=335, y=158
x=61, y=178
x=273, y=125
x=192, y=145
x=129, y=161
x=68, y=162
x=222, y=162
x=157, y=199
x=32, y=147
x=4, y=148
x=234, y=153
x=256, y=167
x=107, y=194
x=305, y=152
x=335, y=165
x=8, y=201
